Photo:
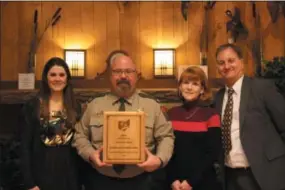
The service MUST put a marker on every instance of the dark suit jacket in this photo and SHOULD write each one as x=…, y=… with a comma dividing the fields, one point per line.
x=262, y=130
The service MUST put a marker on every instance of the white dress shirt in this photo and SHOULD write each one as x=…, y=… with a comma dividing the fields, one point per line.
x=236, y=157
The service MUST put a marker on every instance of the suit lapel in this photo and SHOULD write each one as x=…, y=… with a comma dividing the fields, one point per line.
x=245, y=92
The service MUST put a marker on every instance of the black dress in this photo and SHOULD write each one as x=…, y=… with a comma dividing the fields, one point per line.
x=48, y=159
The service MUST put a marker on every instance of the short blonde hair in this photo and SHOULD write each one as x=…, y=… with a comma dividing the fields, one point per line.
x=194, y=73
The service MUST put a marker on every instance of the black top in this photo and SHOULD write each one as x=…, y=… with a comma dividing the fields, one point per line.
x=197, y=144
x=47, y=158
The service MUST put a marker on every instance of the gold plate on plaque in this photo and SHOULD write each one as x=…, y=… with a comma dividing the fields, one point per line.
x=124, y=137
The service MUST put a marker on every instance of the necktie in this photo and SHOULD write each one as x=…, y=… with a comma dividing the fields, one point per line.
x=227, y=122
x=120, y=167
x=122, y=104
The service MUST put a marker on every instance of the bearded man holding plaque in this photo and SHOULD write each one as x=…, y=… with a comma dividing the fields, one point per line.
x=124, y=135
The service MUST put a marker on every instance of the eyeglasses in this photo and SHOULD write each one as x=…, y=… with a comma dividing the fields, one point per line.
x=127, y=72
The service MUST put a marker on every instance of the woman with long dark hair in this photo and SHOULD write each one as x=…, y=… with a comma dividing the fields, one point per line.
x=48, y=160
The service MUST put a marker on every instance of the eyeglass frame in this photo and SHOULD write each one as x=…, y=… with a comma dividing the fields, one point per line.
x=127, y=72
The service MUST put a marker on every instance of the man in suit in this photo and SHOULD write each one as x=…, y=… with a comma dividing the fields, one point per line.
x=253, y=125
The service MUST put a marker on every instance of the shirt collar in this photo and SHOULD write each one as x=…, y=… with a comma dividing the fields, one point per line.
x=237, y=86
x=115, y=99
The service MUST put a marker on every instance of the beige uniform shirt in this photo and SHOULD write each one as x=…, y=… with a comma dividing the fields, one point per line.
x=89, y=131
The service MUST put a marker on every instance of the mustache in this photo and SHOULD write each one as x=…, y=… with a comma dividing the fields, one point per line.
x=123, y=81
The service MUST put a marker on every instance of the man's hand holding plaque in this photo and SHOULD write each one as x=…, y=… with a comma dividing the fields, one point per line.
x=152, y=162
x=96, y=158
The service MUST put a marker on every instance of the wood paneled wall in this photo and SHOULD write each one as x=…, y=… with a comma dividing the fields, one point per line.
x=100, y=27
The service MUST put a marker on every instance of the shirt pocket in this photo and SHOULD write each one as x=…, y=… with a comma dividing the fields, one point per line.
x=96, y=130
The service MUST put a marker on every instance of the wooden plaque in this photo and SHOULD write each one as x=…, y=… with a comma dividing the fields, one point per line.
x=124, y=137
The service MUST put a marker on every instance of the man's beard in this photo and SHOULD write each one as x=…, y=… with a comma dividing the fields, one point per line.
x=123, y=87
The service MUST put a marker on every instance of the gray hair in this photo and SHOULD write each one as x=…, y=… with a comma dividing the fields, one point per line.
x=116, y=55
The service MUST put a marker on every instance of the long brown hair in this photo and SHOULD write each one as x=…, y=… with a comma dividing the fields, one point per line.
x=194, y=73
x=69, y=102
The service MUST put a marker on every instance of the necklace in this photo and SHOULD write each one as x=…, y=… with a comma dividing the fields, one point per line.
x=192, y=113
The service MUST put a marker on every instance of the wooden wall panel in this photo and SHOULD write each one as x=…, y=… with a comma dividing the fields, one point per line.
x=41, y=42
x=218, y=34
x=148, y=35
x=25, y=15
x=9, y=43
x=242, y=42
x=195, y=21
x=100, y=31
x=101, y=27
x=88, y=27
x=249, y=22
x=129, y=31
x=58, y=32
x=180, y=36
x=273, y=34
x=47, y=45
x=113, y=27
x=52, y=38
x=167, y=24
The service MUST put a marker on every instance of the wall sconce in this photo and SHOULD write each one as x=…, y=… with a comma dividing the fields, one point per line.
x=75, y=60
x=164, y=63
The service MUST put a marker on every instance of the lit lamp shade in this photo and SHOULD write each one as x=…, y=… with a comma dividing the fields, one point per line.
x=164, y=63
x=75, y=60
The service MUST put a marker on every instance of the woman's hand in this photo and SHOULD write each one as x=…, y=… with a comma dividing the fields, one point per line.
x=185, y=186
x=176, y=185
x=35, y=188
